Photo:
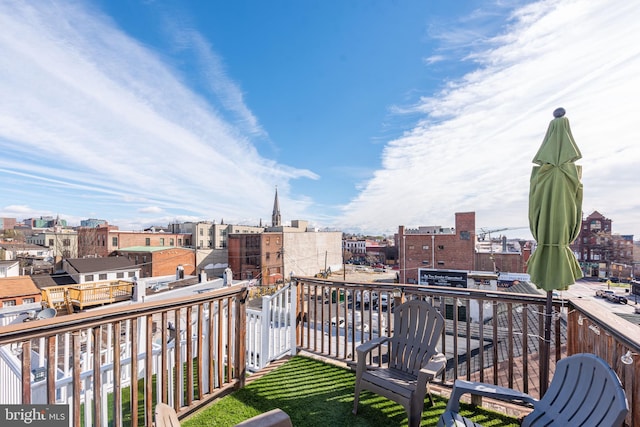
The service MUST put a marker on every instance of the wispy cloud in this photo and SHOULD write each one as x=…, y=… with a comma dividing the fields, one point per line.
x=97, y=117
x=472, y=148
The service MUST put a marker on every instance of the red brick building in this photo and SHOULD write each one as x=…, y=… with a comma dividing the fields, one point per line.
x=437, y=247
x=103, y=240
x=161, y=261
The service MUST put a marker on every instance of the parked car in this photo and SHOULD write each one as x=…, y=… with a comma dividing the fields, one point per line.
x=604, y=293
x=620, y=299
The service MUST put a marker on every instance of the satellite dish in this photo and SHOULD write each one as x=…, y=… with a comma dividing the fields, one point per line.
x=47, y=313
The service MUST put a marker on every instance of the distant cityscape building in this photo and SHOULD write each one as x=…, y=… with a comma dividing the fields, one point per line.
x=602, y=253
x=63, y=242
x=92, y=222
x=45, y=222
x=436, y=247
x=7, y=223
x=275, y=216
x=279, y=251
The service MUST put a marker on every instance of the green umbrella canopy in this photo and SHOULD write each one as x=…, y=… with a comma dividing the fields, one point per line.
x=555, y=207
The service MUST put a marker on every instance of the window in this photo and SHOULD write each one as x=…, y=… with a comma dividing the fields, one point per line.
x=268, y=255
x=426, y=262
x=147, y=241
x=425, y=247
x=266, y=240
x=440, y=262
x=102, y=276
x=66, y=242
x=179, y=242
x=50, y=242
x=120, y=275
x=132, y=274
x=201, y=232
x=172, y=242
x=88, y=277
x=162, y=241
x=410, y=247
x=28, y=300
x=9, y=303
x=465, y=235
x=114, y=241
x=441, y=247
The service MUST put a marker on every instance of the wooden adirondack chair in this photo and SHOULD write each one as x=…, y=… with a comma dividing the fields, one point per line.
x=413, y=359
x=585, y=392
x=166, y=416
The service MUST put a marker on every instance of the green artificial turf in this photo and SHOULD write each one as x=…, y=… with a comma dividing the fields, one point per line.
x=317, y=394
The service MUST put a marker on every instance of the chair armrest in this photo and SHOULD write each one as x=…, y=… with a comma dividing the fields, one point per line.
x=433, y=367
x=461, y=387
x=366, y=347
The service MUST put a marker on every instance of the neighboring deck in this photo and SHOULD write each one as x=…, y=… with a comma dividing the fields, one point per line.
x=71, y=298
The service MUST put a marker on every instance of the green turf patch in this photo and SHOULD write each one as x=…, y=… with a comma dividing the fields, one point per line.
x=317, y=394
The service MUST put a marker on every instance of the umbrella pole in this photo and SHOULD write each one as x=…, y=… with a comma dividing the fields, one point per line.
x=546, y=354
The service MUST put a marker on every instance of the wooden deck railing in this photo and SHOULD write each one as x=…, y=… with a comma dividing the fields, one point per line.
x=595, y=330
x=118, y=362
x=490, y=336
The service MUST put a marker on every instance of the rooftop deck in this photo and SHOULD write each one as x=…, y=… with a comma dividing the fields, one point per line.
x=189, y=350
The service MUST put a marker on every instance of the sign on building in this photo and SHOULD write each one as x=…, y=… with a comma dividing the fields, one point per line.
x=450, y=278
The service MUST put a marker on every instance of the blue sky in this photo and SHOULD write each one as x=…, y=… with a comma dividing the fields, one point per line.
x=366, y=115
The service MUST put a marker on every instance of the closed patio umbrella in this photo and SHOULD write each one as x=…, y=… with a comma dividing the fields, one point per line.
x=555, y=217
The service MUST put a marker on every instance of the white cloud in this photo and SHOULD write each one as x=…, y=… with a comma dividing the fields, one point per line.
x=472, y=149
x=93, y=115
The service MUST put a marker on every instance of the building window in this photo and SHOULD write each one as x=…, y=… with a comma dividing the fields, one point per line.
x=266, y=240
x=50, y=242
x=120, y=275
x=147, y=241
x=102, y=276
x=162, y=241
x=88, y=277
x=410, y=247
x=441, y=247
x=440, y=262
x=132, y=274
x=28, y=300
x=465, y=235
x=201, y=232
x=66, y=242
x=9, y=303
x=425, y=247
x=171, y=242
x=179, y=242
x=426, y=262
x=114, y=241
x=268, y=255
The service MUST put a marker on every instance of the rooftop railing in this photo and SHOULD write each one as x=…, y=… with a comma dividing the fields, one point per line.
x=111, y=366
x=187, y=351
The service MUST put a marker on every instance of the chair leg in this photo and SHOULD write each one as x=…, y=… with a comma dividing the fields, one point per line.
x=356, y=398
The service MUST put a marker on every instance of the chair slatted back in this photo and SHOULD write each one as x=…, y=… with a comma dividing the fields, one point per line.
x=416, y=330
x=585, y=391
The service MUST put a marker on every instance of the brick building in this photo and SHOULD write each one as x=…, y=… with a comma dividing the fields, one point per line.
x=436, y=247
x=602, y=253
x=156, y=261
x=19, y=293
x=104, y=240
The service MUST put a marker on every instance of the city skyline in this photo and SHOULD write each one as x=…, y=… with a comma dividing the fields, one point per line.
x=364, y=115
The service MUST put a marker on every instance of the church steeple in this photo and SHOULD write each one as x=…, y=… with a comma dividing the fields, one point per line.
x=275, y=217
